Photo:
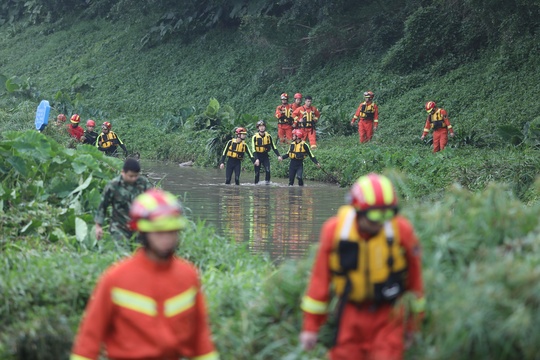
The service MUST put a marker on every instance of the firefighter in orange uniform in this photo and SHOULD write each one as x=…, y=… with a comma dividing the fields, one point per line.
x=440, y=123
x=74, y=130
x=370, y=256
x=285, y=120
x=305, y=119
x=150, y=305
x=367, y=116
x=297, y=101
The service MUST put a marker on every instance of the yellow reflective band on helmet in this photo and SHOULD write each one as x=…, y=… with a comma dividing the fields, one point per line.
x=418, y=305
x=387, y=190
x=149, y=202
x=180, y=303
x=210, y=356
x=133, y=301
x=313, y=306
x=78, y=357
x=367, y=190
x=166, y=223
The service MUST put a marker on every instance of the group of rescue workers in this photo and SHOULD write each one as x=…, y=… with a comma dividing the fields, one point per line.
x=297, y=124
x=367, y=116
x=151, y=305
x=262, y=142
x=106, y=141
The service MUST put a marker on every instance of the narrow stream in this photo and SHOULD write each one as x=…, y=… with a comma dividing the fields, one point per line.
x=273, y=218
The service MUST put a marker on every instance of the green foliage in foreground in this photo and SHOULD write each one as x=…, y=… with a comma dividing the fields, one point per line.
x=481, y=279
x=480, y=258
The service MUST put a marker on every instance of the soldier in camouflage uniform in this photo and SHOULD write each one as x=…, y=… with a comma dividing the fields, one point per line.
x=119, y=193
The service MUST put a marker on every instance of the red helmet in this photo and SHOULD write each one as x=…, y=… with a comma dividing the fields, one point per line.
x=298, y=133
x=90, y=122
x=61, y=117
x=240, y=130
x=369, y=95
x=297, y=96
x=430, y=105
x=156, y=210
x=108, y=125
x=284, y=96
x=375, y=196
x=75, y=119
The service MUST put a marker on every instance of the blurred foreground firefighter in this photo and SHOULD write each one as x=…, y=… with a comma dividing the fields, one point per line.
x=150, y=305
x=371, y=257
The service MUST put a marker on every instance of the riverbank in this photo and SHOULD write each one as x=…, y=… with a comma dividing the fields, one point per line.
x=180, y=101
x=477, y=248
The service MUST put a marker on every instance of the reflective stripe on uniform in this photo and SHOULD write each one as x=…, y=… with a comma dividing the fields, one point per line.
x=210, y=356
x=134, y=301
x=180, y=302
x=313, y=306
x=419, y=305
x=78, y=357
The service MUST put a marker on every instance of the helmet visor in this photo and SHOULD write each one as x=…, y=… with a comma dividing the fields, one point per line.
x=380, y=215
x=166, y=223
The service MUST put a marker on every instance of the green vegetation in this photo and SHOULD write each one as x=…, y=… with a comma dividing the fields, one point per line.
x=175, y=79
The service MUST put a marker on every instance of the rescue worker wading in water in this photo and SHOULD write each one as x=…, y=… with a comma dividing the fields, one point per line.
x=370, y=256
x=262, y=143
x=149, y=305
x=439, y=122
x=298, y=151
x=285, y=119
x=367, y=116
x=108, y=141
x=234, y=151
x=305, y=118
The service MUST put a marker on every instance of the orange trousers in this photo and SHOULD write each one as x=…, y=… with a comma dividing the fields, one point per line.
x=369, y=334
x=284, y=133
x=311, y=135
x=440, y=139
x=365, y=130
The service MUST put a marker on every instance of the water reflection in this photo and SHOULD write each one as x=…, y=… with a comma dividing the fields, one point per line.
x=276, y=219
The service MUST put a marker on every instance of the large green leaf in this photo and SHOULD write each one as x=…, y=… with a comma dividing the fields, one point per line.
x=12, y=85
x=212, y=108
x=82, y=186
x=81, y=230
x=19, y=164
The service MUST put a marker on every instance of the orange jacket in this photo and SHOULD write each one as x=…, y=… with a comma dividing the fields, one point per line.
x=359, y=110
x=144, y=310
x=311, y=115
x=75, y=132
x=318, y=293
x=284, y=114
x=446, y=122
